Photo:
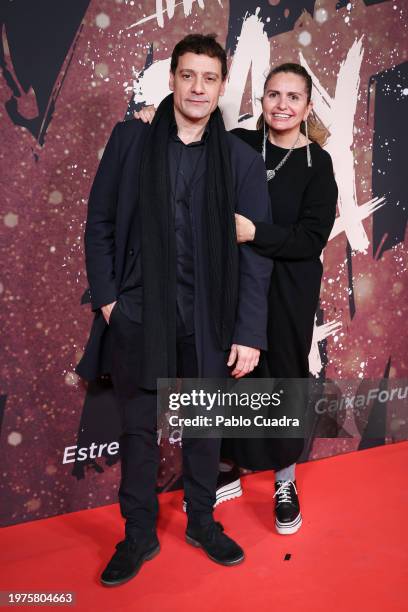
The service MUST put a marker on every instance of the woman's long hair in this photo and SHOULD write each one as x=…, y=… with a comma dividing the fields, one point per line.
x=316, y=130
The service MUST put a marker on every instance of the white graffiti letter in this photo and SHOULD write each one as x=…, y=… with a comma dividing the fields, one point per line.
x=252, y=53
x=338, y=114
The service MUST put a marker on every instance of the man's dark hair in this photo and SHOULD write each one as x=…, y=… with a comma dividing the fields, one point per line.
x=202, y=44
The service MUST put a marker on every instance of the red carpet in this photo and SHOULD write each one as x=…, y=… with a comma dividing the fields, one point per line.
x=350, y=554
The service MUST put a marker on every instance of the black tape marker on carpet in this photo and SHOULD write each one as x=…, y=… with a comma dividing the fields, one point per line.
x=287, y=557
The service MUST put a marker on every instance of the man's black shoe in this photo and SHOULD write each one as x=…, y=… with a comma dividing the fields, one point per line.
x=128, y=559
x=287, y=509
x=218, y=546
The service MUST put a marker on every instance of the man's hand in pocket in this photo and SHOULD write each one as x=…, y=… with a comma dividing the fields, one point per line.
x=107, y=310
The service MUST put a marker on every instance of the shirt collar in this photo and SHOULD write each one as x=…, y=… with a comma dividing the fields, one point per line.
x=204, y=137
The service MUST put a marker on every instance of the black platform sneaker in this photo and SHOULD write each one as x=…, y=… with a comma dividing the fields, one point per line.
x=287, y=510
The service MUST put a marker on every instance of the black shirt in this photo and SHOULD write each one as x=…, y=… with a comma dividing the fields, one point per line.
x=187, y=163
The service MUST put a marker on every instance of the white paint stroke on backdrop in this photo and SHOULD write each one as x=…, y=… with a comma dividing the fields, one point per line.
x=320, y=332
x=338, y=114
x=170, y=7
x=252, y=54
x=151, y=85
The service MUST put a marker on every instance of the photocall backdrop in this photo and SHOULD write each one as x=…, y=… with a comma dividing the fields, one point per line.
x=70, y=71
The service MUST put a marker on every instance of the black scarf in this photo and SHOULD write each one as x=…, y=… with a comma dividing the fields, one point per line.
x=159, y=244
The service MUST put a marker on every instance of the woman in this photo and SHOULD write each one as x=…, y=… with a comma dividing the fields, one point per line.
x=303, y=195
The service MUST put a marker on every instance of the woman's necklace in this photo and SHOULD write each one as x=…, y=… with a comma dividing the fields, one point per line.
x=271, y=173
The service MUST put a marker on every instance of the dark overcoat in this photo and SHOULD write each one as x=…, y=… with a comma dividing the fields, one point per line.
x=113, y=251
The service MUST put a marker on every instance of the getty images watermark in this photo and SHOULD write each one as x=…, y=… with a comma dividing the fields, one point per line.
x=282, y=408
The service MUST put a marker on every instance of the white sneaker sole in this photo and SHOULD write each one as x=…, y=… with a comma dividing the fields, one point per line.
x=226, y=493
x=288, y=528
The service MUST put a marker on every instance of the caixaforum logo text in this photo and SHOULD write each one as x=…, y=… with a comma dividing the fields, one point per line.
x=357, y=403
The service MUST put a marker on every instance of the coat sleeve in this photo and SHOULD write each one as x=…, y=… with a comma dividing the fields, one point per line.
x=309, y=235
x=100, y=226
x=255, y=270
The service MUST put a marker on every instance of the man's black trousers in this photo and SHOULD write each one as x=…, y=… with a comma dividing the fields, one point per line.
x=138, y=441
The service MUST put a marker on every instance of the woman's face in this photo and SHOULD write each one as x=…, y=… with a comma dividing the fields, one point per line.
x=284, y=103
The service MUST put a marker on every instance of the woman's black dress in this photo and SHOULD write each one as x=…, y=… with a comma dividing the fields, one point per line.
x=303, y=204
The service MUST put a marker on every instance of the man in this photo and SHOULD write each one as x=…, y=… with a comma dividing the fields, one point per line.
x=173, y=294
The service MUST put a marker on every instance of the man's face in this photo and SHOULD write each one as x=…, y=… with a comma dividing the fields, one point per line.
x=196, y=85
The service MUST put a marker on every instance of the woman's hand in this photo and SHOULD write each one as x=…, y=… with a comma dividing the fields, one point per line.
x=245, y=229
x=146, y=113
